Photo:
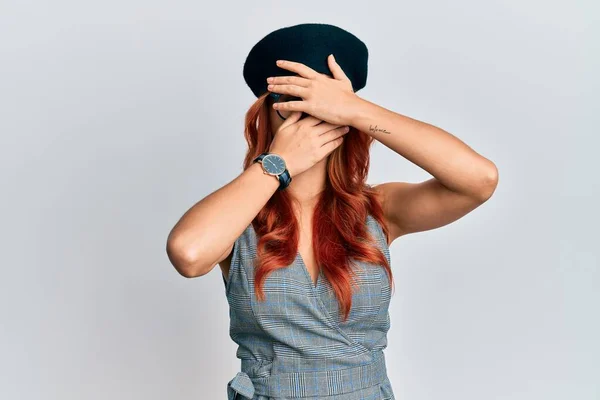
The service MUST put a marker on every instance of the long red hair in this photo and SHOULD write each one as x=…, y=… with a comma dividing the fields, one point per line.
x=339, y=230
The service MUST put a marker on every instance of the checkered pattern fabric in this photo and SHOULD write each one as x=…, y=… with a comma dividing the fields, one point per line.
x=293, y=344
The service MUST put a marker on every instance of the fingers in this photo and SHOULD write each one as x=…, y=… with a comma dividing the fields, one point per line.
x=298, y=68
x=291, y=105
x=335, y=68
x=310, y=120
x=290, y=80
x=294, y=90
x=326, y=127
x=333, y=136
x=337, y=136
x=293, y=118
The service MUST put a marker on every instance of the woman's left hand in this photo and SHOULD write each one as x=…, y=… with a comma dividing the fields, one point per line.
x=330, y=99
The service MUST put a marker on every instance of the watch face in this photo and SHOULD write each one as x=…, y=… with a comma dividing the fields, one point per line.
x=273, y=164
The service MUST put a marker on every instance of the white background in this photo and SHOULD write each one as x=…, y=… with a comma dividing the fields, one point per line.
x=116, y=117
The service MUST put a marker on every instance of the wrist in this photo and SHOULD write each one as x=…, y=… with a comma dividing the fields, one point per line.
x=273, y=163
x=288, y=164
x=358, y=111
x=268, y=177
x=287, y=159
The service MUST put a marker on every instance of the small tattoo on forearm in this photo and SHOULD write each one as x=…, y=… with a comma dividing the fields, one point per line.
x=375, y=129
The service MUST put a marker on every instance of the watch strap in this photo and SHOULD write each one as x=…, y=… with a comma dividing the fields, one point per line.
x=284, y=178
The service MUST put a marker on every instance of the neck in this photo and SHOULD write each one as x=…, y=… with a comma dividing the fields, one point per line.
x=306, y=187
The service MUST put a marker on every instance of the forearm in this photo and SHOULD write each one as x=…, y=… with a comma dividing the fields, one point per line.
x=208, y=228
x=444, y=156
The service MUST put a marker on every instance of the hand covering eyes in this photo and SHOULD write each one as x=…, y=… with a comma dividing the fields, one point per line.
x=281, y=98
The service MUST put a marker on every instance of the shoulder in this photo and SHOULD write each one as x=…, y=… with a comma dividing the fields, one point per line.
x=382, y=191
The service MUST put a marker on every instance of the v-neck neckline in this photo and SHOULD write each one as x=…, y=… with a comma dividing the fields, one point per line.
x=307, y=273
x=300, y=260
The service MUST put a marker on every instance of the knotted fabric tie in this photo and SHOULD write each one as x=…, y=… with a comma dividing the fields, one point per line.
x=242, y=384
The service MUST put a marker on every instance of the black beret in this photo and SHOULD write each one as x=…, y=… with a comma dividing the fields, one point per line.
x=309, y=44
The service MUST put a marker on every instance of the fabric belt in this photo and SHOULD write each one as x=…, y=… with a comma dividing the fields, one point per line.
x=311, y=383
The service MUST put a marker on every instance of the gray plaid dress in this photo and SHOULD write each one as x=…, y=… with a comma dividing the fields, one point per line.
x=293, y=345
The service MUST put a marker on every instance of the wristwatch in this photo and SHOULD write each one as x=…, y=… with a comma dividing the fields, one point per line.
x=274, y=164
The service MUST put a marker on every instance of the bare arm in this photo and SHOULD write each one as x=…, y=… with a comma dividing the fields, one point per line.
x=205, y=234
x=463, y=179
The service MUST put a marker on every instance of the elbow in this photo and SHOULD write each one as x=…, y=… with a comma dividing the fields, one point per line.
x=190, y=270
x=185, y=261
x=489, y=183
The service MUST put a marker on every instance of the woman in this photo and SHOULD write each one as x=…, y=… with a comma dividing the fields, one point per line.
x=302, y=241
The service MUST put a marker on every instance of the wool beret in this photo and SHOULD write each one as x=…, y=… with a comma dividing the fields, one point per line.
x=309, y=44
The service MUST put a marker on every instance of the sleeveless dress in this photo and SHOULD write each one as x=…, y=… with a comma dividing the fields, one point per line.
x=293, y=344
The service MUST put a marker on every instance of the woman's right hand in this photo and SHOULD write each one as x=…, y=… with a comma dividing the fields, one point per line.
x=304, y=142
